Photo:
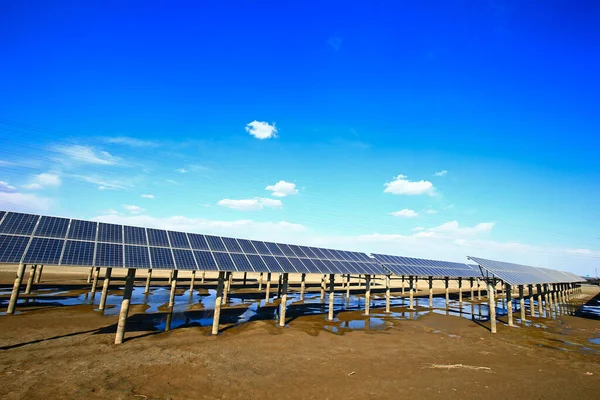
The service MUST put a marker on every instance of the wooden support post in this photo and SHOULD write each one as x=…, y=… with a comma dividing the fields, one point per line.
x=192, y=281
x=227, y=286
x=268, y=287
x=478, y=290
x=148, y=279
x=90, y=274
x=447, y=293
x=522, y=302
x=218, y=301
x=14, y=296
x=323, y=288
x=540, y=301
x=402, y=287
x=105, y=285
x=549, y=307
x=39, y=275
x=125, y=306
x=279, y=283
x=302, y=286
x=245, y=277
x=509, y=304
x=491, y=292
x=348, y=286
x=431, y=292
x=331, y=296
x=411, y=291
x=460, y=292
x=95, y=282
x=30, y=279
x=171, y=277
x=203, y=276
x=283, y=304
x=260, y=281
x=531, y=301
x=387, y=294
x=367, y=294
x=416, y=284
x=472, y=293
x=173, y=288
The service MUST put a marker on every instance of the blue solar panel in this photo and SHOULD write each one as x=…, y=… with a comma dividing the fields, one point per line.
x=261, y=247
x=351, y=267
x=206, y=261
x=286, y=250
x=272, y=264
x=241, y=262
x=308, y=251
x=178, y=240
x=136, y=257
x=297, y=251
x=232, y=245
x=2, y=215
x=162, y=258
x=322, y=267
x=198, y=242
x=52, y=227
x=12, y=248
x=274, y=249
x=82, y=230
x=44, y=251
x=157, y=237
x=257, y=263
x=215, y=243
x=19, y=224
x=184, y=259
x=110, y=233
x=299, y=266
x=78, y=253
x=135, y=235
x=286, y=264
x=318, y=253
x=109, y=255
x=328, y=254
x=312, y=268
x=247, y=246
x=224, y=261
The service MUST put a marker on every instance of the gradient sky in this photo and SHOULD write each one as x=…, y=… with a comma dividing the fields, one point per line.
x=435, y=129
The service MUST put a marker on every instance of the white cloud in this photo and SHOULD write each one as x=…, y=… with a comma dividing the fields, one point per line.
x=401, y=185
x=441, y=173
x=282, y=189
x=33, y=186
x=111, y=211
x=26, y=202
x=418, y=228
x=261, y=130
x=6, y=188
x=453, y=229
x=257, y=203
x=181, y=170
x=129, y=141
x=133, y=209
x=172, y=182
x=86, y=154
x=431, y=211
x=581, y=251
x=147, y=196
x=103, y=184
x=406, y=213
x=43, y=180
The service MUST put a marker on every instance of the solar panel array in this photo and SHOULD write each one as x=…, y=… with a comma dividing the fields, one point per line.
x=426, y=268
x=34, y=239
x=518, y=274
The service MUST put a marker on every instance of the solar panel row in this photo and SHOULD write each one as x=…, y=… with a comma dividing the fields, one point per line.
x=425, y=268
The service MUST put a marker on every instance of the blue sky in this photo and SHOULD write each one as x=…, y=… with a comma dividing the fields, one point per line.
x=437, y=129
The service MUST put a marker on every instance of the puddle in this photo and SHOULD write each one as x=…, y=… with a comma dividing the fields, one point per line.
x=594, y=341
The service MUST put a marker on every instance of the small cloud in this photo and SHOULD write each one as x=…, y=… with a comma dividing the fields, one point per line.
x=441, y=173
x=282, y=189
x=86, y=154
x=449, y=207
x=6, y=188
x=133, y=209
x=147, y=196
x=172, y=182
x=418, y=228
x=401, y=185
x=431, y=211
x=586, y=252
x=261, y=130
x=335, y=42
x=43, y=180
x=110, y=211
x=129, y=141
x=257, y=203
x=103, y=184
x=406, y=213
x=182, y=170
x=33, y=186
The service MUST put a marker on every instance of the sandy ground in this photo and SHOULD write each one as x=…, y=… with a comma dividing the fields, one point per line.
x=67, y=352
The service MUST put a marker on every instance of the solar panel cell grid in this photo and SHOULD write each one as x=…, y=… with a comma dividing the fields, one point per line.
x=272, y=264
x=260, y=247
x=184, y=259
x=109, y=255
x=247, y=246
x=157, y=238
x=110, y=233
x=257, y=263
x=232, y=245
x=297, y=251
x=82, y=230
x=52, y=227
x=134, y=235
x=310, y=266
x=299, y=265
x=215, y=243
x=161, y=257
x=241, y=262
x=78, y=253
x=286, y=264
x=309, y=253
x=44, y=251
x=136, y=257
x=12, y=248
x=19, y=224
x=224, y=261
x=178, y=240
x=274, y=249
x=286, y=250
x=198, y=242
x=205, y=260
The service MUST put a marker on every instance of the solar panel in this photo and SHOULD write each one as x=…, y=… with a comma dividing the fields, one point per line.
x=2, y=215
x=257, y=263
x=274, y=249
x=82, y=230
x=321, y=266
x=52, y=227
x=44, y=251
x=206, y=261
x=19, y=224
x=513, y=274
x=224, y=261
x=134, y=235
x=137, y=257
x=157, y=237
x=78, y=253
x=161, y=257
x=272, y=264
x=178, y=240
x=109, y=255
x=12, y=248
x=297, y=251
x=241, y=262
x=197, y=241
x=184, y=259
x=286, y=264
x=232, y=245
x=110, y=233
x=215, y=243
x=309, y=253
x=247, y=246
x=286, y=250
x=309, y=265
x=260, y=247
x=299, y=265
x=423, y=267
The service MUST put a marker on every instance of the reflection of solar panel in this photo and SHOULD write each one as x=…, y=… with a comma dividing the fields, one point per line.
x=409, y=266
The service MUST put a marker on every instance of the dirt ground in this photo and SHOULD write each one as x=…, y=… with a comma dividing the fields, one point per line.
x=68, y=352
